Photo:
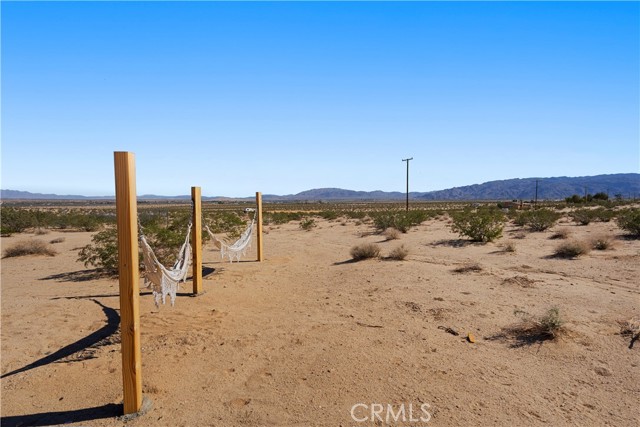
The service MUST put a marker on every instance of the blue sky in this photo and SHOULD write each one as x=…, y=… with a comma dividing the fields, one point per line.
x=283, y=97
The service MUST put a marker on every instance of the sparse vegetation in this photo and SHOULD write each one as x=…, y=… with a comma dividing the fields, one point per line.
x=365, y=251
x=468, y=268
x=539, y=328
x=399, y=253
x=57, y=240
x=400, y=220
x=582, y=216
x=481, y=225
x=601, y=243
x=509, y=247
x=29, y=247
x=572, y=249
x=629, y=220
x=102, y=252
x=391, y=234
x=562, y=233
x=538, y=220
x=307, y=224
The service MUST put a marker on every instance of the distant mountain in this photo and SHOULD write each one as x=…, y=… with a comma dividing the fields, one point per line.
x=626, y=184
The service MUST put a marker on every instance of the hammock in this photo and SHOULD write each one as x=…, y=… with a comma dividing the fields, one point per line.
x=164, y=281
x=237, y=249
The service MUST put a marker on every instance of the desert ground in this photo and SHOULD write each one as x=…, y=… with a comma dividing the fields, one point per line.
x=302, y=337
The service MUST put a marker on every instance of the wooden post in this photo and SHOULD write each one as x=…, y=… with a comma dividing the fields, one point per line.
x=129, y=275
x=196, y=239
x=259, y=223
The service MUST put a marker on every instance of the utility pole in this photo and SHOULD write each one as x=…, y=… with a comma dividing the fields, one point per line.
x=535, y=204
x=407, y=160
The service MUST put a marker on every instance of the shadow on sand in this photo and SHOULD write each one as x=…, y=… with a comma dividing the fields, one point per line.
x=104, y=333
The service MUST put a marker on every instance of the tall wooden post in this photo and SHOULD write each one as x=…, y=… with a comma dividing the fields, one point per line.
x=259, y=223
x=129, y=275
x=196, y=239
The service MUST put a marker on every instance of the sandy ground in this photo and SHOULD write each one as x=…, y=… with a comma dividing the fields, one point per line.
x=302, y=337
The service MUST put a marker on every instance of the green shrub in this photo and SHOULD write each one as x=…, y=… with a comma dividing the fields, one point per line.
x=400, y=220
x=102, y=252
x=365, y=251
x=29, y=247
x=629, y=220
x=538, y=220
x=582, y=216
x=307, y=223
x=328, y=215
x=604, y=215
x=481, y=225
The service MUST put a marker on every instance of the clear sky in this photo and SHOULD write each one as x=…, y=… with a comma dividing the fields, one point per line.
x=284, y=97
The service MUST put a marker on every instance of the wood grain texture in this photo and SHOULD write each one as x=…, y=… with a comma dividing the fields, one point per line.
x=260, y=254
x=129, y=275
x=196, y=239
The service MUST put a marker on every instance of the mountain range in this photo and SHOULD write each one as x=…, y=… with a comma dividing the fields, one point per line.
x=625, y=184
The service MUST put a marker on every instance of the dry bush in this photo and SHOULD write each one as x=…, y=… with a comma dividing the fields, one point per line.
x=468, y=268
x=572, y=249
x=509, y=247
x=399, y=253
x=57, y=240
x=601, y=243
x=522, y=281
x=391, y=233
x=630, y=327
x=519, y=235
x=365, y=251
x=29, y=247
x=539, y=328
x=563, y=233
x=40, y=231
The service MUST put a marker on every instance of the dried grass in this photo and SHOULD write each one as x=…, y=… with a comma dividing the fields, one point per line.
x=29, y=247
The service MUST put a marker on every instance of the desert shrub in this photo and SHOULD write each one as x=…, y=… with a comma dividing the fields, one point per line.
x=601, y=243
x=468, y=268
x=365, y=251
x=40, y=231
x=15, y=220
x=400, y=220
x=582, y=216
x=307, y=223
x=603, y=215
x=328, y=215
x=629, y=220
x=538, y=220
x=228, y=222
x=29, y=247
x=547, y=325
x=572, y=249
x=510, y=247
x=391, y=234
x=102, y=252
x=481, y=225
x=279, y=218
x=563, y=233
x=399, y=253
x=57, y=240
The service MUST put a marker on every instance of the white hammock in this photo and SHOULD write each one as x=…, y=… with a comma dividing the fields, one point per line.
x=238, y=248
x=164, y=281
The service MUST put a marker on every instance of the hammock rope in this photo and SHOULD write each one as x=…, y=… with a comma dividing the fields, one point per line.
x=238, y=248
x=164, y=281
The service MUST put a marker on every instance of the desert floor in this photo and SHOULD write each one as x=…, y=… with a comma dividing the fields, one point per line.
x=302, y=337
